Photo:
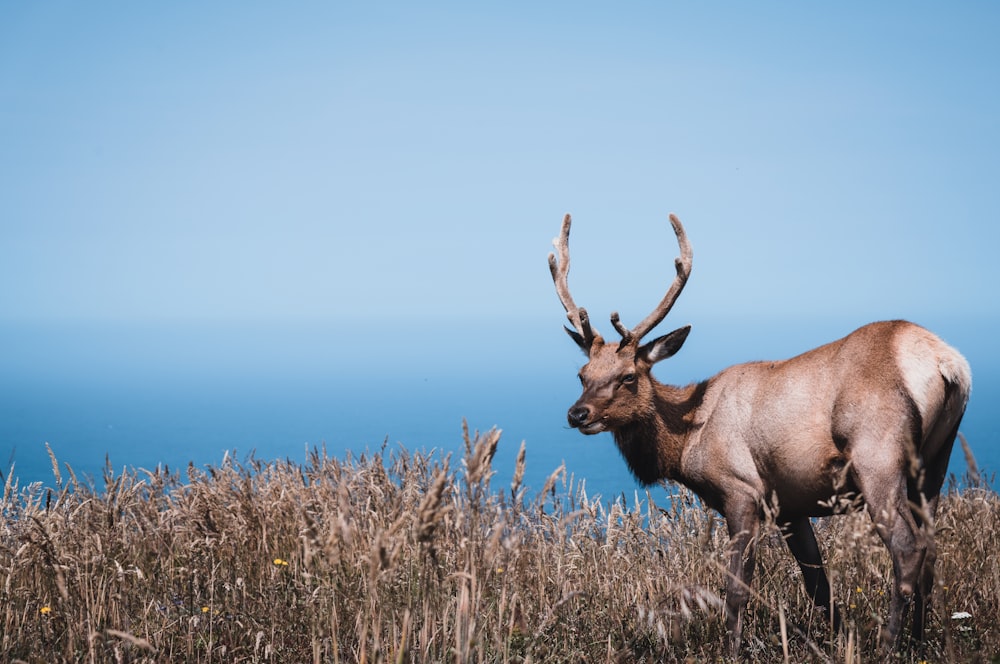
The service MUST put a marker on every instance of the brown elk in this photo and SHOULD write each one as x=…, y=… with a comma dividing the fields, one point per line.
x=872, y=416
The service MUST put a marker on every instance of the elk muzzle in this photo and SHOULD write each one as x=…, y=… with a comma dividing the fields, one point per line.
x=581, y=416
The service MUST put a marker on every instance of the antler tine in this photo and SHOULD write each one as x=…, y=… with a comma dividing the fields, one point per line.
x=683, y=266
x=622, y=330
x=560, y=273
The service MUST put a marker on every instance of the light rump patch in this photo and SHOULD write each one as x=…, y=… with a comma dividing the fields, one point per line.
x=927, y=366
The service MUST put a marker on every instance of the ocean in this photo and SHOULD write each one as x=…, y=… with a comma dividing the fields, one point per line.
x=154, y=394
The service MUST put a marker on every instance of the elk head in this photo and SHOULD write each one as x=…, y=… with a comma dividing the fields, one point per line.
x=617, y=383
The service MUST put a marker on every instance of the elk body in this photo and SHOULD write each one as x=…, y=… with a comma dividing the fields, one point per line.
x=873, y=415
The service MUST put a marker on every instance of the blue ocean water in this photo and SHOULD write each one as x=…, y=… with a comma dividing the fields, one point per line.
x=149, y=395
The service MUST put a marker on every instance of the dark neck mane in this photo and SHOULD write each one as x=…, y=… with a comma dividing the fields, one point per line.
x=652, y=445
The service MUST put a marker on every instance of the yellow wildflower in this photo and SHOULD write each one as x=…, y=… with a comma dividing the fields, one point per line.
x=280, y=563
x=205, y=609
x=45, y=610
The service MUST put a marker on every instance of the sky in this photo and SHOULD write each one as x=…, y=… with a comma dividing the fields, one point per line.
x=348, y=206
x=356, y=162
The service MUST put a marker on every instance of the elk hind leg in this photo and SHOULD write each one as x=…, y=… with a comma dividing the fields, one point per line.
x=925, y=495
x=922, y=595
x=880, y=464
x=885, y=489
x=801, y=539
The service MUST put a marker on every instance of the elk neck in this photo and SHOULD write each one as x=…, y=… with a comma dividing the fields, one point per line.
x=653, y=443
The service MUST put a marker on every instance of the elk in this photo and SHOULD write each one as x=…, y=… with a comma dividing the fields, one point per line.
x=871, y=417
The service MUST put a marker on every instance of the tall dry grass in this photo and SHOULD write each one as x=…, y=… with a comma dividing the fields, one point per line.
x=401, y=557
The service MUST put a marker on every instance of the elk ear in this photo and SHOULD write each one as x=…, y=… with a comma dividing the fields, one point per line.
x=580, y=341
x=665, y=346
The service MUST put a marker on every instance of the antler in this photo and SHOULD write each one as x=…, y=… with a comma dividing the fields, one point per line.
x=683, y=265
x=560, y=271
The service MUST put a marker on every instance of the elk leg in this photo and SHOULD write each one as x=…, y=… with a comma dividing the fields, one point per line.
x=935, y=472
x=922, y=596
x=801, y=540
x=924, y=508
x=889, y=508
x=743, y=522
x=908, y=554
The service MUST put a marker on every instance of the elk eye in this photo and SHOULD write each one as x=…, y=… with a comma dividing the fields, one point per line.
x=628, y=379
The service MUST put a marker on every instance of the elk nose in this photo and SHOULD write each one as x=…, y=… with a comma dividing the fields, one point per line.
x=578, y=416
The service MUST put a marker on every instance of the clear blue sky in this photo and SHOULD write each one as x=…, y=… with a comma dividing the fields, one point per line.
x=388, y=177
x=336, y=161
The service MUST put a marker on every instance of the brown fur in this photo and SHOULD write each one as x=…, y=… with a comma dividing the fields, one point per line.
x=873, y=415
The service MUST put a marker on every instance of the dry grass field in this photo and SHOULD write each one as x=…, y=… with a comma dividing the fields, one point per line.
x=400, y=557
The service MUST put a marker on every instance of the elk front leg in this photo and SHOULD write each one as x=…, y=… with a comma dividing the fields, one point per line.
x=743, y=522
